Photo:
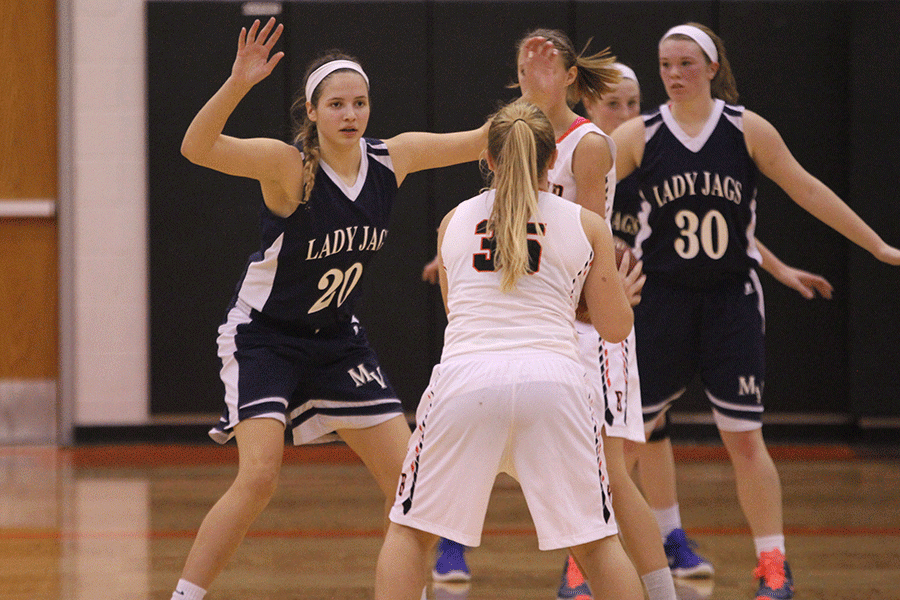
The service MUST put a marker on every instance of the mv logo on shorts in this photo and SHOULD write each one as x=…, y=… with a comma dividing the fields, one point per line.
x=361, y=376
x=747, y=387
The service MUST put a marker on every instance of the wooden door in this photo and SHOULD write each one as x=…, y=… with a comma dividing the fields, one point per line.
x=28, y=228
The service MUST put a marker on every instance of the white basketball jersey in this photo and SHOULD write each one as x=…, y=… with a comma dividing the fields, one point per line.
x=561, y=177
x=539, y=313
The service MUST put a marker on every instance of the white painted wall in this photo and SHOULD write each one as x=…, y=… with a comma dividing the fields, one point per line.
x=107, y=379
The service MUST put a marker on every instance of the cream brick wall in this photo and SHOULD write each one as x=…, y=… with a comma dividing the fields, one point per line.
x=109, y=254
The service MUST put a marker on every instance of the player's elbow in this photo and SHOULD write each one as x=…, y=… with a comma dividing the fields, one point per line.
x=615, y=327
x=610, y=311
x=190, y=151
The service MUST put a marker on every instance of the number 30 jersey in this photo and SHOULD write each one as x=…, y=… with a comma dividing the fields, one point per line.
x=307, y=272
x=698, y=198
x=538, y=314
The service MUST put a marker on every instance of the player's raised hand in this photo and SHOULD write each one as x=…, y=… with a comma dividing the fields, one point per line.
x=539, y=69
x=253, y=63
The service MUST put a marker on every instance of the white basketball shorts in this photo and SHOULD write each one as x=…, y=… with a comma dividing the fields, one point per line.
x=529, y=416
x=613, y=375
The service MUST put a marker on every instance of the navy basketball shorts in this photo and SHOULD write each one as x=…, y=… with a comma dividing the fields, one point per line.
x=315, y=383
x=716, y=333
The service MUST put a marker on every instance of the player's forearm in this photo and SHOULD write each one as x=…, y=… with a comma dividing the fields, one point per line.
x=770, y=263
x=207, y=125
x=826, y=206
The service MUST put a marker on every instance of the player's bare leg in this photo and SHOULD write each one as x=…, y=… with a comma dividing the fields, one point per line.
x=637, y=525
x=604, y=561
x=403, y=563
x=758, y=484
x=382, y=449
x=260, y=449
x=656, y=472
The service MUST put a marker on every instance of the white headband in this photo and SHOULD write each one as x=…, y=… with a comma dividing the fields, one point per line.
x=698, y=35
x=625, y=72
x=316, y=77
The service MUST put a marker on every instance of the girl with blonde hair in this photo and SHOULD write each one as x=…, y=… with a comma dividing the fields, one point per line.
x=509, y=394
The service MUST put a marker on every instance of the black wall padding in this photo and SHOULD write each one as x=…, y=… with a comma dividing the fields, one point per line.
x=202, y=224
x=826, y=74
x=874, y=288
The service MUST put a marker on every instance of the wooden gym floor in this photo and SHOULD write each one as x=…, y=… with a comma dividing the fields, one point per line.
x=117, y=522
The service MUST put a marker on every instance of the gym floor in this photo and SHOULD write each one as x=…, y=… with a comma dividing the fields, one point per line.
x=118, y=521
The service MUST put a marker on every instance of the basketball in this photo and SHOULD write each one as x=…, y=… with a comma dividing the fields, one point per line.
x=621, y=250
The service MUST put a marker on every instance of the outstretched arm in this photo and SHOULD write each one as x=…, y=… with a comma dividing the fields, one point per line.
x=204, y=143
x=629, y=139
x=804, y=282
x=418, y=150
x=776, y=162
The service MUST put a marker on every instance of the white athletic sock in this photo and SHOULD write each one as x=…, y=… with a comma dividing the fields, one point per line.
x=769, y=542
x=660, y=585
x=185, y=590
x=668, y=519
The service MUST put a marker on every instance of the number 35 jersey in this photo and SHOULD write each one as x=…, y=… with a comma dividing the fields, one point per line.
x=538, y=314
x=308, y=271
x=698, y=198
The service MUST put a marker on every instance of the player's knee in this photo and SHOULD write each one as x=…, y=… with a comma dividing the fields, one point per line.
x=260, y=480
x=746, y=446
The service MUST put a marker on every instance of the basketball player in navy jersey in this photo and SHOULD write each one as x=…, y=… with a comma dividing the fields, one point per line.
x=621, y=104
x=293, y=353
x=510, y=393
x=697, y=159
x=655, y=459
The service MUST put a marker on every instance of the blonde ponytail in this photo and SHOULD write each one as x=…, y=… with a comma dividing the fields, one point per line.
x=520, y=144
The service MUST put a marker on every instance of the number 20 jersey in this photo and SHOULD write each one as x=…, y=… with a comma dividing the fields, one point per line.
x=307, y=272
x=698, y=198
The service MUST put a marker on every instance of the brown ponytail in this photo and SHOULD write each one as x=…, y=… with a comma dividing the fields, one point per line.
x=305, y=132
x=595, y=75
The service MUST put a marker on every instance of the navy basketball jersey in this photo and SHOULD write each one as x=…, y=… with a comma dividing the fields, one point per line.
x=698, y=198
x=625, y=209
x=309, y=268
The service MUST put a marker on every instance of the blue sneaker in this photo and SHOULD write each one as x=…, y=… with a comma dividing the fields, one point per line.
x=683, y=561
x=451, y=562
x=573, y=585
x=775, y=580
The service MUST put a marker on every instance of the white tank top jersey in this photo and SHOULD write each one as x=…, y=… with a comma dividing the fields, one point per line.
x=539, y=313
x=561, y=177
